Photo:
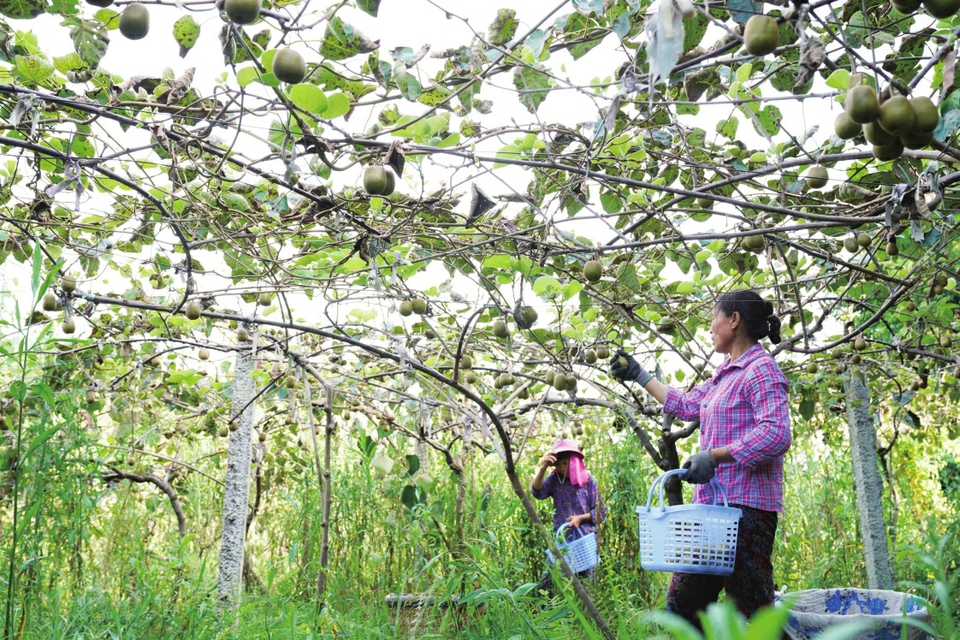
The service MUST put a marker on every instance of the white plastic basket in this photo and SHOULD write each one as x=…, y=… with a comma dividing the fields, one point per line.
x=580, y=553
x=689, y=538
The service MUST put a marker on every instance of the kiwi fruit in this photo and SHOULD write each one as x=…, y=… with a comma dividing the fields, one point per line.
x=896, y=115
x=134, y=22
x=761, y=35
x=845, y=128
x=862, y=104
x=875, y=134
x=890, y=151
x=941, y=9
x=926, y=115
x=592, y=270
x=817, y=177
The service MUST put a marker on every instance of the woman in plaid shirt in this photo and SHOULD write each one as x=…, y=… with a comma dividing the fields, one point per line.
x=744, y=432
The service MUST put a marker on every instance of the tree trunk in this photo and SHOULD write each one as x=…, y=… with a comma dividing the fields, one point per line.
x=863, y=445
x=236, y=492
x=323, y=472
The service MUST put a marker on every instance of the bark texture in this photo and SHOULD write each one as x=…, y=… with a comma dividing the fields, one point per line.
x=863, y=445
x=236, y=490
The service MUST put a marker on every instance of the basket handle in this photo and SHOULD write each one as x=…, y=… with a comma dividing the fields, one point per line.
x=662, y=480
x=561, y=534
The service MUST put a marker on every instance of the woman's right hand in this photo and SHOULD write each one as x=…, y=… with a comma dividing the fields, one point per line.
x=548, y=460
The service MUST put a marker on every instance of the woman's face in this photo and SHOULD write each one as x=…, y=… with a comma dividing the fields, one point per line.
x=563, y=461
x=723, y=330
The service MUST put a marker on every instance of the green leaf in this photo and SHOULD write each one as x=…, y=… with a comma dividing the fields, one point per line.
x=33, y=69
x=498, y=261
x=434, y=96
x=769, y=119
x=728, y=128
x=369, y=6
x=546, y=286
x=743, y=10
x=839, y=79
x=408, y=85
x=535, y=42
x=583, y=33
x=595, y=6
x=338, y=104
x=342, y=41
x=247, y=75
x=35, y=272
x=533, y=85
x=504, y=27
x=89, y=40
x=308, y=97
x=573, y=288
x=413, y=464
x=611, y=201
x=22, y=9
x=694, y=30
x=628, y=278
x=410, y=497
x=70, y=62
x=108, y=17
x=186, y=31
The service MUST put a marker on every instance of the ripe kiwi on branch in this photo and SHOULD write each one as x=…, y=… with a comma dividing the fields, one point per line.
x=896, y=116
x=592, y=270
x=289, y=66
x=926, y=115
x=845, y=128
x=941, y=9
x=875, y=134
x=891, y=151
x=378, y=181
x=906, y=7
x=761, y=35
x=862, y=104
x=242, y=11
x=134, y=21
x=817, y=176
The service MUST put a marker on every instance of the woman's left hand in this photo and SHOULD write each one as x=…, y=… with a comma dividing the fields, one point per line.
x=575, y=521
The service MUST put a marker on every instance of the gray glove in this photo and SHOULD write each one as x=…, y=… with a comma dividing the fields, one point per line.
x=700, y=467
x=623, y=367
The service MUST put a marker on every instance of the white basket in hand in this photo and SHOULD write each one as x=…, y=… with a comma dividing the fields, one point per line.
x=580, y=553
x=689, y=538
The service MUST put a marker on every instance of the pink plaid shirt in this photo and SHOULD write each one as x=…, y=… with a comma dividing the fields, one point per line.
x=743, y=408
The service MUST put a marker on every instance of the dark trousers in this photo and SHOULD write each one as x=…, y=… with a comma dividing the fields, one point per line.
x=751, y=583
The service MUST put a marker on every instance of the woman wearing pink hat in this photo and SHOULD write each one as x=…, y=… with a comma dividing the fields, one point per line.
x=576, y=498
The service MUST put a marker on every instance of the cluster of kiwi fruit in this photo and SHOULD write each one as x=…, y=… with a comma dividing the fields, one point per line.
x=561, y=381
x=889, y=121
x=416, y=305
x=378, y=180
x=937, y=8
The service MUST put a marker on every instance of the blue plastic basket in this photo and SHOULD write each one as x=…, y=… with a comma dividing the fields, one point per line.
x=689, y=538
x=580, y=553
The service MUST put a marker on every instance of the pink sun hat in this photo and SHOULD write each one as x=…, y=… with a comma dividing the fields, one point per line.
x=566, y=446
x=575, y=468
